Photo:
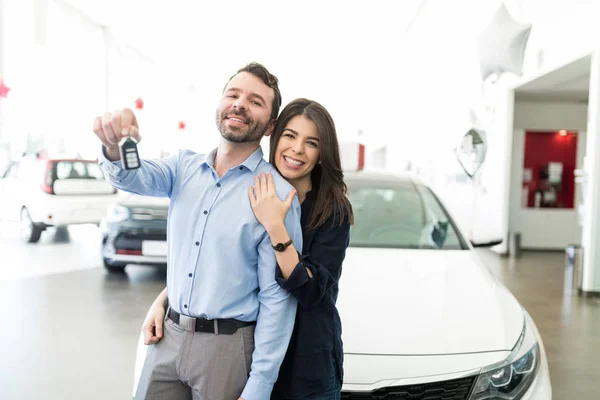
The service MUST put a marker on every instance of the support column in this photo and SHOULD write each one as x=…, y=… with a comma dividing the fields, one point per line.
x=40, y=20
x=1, y=58
x=591, y=224
x=499, y=168
x=108, y=40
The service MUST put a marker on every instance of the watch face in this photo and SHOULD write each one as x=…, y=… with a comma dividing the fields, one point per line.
x=279, y=247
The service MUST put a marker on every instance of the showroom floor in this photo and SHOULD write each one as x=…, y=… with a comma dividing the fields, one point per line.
x=71, y=329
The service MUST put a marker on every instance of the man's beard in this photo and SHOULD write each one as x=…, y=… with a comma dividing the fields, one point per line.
x=254, y=130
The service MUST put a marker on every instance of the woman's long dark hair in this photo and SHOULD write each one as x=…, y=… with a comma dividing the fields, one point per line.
x=327, y=176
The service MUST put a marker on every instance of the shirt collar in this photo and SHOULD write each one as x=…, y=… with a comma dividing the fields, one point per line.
x=255, y=158
x=251, y=162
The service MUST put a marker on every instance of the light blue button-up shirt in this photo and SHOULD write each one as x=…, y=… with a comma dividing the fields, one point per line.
x=220, y=260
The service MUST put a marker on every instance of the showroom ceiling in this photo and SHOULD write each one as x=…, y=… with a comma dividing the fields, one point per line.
x=189, y=33
x=570, y=82
x=352, y=56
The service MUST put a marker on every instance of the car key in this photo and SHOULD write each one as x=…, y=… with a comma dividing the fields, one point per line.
x=129, y=153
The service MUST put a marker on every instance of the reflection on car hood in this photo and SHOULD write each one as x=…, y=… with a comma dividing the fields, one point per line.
x=134, y=200
x=424, y=302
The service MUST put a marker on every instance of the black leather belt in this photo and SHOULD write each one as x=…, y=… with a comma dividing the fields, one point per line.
x=216, y=326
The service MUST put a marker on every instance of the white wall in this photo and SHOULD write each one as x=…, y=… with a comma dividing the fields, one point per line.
x=544, y=228
x=534, y=115
x=562, y=30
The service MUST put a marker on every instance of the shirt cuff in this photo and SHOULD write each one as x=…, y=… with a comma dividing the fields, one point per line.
x=256, y=389
x=112, y=167
x=297, y=278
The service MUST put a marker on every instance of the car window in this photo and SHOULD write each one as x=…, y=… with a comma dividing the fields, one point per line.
x=78, y=170
x=402, y=215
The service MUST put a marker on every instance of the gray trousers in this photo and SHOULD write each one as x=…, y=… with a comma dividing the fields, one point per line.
x=195, y=365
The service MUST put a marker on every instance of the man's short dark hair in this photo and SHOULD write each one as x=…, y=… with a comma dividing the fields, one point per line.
x=269, y=79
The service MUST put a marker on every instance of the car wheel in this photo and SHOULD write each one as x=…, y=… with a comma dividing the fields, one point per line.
x=30, y=232
x=114, y=266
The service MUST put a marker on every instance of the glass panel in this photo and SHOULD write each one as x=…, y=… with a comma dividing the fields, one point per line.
x=405, y=216
x=78, y=170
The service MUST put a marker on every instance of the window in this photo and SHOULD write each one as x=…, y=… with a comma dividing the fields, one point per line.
x=78, y=170
x=400, y=215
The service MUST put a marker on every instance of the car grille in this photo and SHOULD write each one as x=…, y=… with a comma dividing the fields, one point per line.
x=148, y=214
x=457, y=389
x=143, y=234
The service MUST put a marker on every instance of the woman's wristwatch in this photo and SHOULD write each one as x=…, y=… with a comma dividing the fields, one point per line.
x=281, y=246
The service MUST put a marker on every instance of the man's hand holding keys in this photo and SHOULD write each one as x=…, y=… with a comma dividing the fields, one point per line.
x=112, y=127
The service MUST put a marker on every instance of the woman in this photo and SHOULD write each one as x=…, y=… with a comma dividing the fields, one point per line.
x=304, y=149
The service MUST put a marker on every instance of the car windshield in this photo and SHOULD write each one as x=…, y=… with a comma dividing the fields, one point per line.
x=400, y=215
x=78, y=170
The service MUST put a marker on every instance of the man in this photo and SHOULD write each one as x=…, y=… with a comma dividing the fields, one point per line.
x=229, y=323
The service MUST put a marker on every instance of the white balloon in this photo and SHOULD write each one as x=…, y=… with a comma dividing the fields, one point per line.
x=501, y=45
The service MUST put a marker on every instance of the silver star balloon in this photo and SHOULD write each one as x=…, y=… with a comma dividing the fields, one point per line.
x=501, y=45
x=472, y=149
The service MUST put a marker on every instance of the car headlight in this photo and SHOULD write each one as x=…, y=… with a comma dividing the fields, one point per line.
x=117, y=213
x=510, y=379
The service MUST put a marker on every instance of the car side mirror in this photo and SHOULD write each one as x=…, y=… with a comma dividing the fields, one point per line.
x=439, y=233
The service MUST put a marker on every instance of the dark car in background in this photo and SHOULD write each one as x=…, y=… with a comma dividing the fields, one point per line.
x=134, y=231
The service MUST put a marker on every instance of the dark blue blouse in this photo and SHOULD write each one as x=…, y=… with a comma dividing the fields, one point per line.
x=316, y=343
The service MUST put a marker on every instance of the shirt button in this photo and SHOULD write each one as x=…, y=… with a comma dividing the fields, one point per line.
x=197, y=243
x=205, y=212
x=185, y=306
x=241, y=168
x=190, y=275
x=218, y=185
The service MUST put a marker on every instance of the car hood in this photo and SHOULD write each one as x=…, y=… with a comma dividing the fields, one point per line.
x=424, y=302
x=134, y=200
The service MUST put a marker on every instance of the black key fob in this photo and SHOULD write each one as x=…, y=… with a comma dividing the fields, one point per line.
x=129, y=153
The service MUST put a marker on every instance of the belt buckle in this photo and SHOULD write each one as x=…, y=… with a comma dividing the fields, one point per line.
x=187, y=323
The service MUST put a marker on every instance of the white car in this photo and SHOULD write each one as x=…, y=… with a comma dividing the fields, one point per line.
x=41, y=193
x=422, y=317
